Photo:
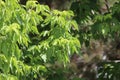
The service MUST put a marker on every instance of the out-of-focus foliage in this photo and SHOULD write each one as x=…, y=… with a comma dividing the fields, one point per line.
x=100, y=20
x=97, y=19
x=109, y=71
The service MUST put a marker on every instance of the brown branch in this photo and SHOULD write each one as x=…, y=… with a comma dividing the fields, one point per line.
x=107, y=5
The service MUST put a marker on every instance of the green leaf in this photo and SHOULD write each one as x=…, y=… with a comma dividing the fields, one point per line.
x=31, y=4
x=75, y=25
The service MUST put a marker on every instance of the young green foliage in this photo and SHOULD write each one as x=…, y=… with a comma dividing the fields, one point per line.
x=32, y=35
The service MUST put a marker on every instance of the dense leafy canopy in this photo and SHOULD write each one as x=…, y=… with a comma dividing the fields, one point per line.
x=32, y=35
x=36, y=42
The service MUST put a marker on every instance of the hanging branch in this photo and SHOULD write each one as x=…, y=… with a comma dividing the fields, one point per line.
x=107, y=5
